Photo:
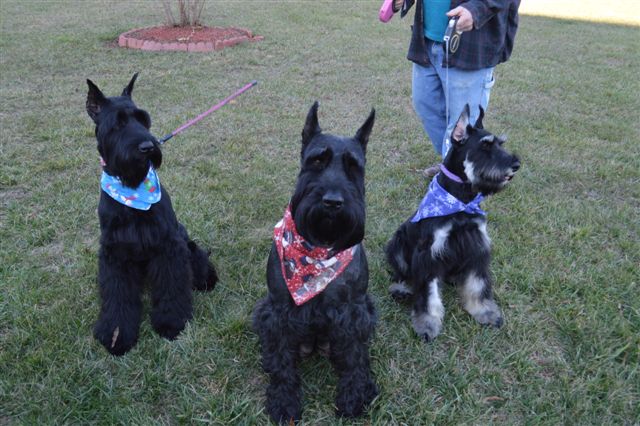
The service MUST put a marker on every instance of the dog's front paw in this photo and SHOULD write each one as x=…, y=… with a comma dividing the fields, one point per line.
x=427, y=326
x=352, y=403
x=490, y=317
x=305, y=350
x=486, y=312
x=400, y=291
x=168, y=327
x=282, y=412
x=324, y=349
x=116, y=339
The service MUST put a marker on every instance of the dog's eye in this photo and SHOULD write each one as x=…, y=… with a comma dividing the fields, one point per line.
x=487, y=144
x=317, y=162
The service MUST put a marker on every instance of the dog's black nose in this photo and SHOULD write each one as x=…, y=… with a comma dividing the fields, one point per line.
x=332, y=200
x=146, y=147
x=516, y=165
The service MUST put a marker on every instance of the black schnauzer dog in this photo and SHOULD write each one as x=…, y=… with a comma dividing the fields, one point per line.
x=446, y=240
x=141, y=239
x=317, y=276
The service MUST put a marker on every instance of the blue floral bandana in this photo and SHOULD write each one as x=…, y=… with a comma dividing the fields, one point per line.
x=141, y=198
x=438, y=202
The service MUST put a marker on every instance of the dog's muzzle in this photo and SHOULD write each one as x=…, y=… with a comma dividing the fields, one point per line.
x=146, y=147
x=333, y=201
x=514, y=168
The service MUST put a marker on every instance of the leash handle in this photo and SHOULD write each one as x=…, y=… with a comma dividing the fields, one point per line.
x=209, y=111
x=451, y=29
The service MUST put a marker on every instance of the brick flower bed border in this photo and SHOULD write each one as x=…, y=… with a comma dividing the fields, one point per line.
x=129, y=40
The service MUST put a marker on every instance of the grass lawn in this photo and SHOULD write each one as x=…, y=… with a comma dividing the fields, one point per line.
x=566, y=232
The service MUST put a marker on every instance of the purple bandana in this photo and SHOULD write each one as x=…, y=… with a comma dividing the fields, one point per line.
x=438, y=202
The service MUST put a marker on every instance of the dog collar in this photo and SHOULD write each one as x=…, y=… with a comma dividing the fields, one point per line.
x=438, y=202
x=140, y=198
x=450, y=175
x=307, y=270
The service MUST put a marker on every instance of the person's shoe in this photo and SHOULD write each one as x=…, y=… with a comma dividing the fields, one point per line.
x=430, y=172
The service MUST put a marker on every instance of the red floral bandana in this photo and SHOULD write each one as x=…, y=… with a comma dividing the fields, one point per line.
x=307, y=270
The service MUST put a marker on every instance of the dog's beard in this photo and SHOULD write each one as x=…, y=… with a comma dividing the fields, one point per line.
x=488, y=180
x=486, y=188
x=489, y=183
x=132, y=169
x=324, y=227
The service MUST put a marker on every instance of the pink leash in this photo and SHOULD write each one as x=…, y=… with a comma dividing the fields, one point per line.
x=207, y=112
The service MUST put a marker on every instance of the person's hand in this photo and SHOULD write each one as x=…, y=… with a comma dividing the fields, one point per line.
x=465, y=20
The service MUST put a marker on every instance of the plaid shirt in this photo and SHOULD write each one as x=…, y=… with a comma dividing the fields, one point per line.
x=495, y=24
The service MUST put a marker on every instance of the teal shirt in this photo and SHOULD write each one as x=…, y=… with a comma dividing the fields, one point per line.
x=435, y=18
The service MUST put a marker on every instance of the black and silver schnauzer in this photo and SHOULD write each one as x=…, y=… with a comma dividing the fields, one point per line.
x=446, y=239
x=317, y=276
x=141, y=240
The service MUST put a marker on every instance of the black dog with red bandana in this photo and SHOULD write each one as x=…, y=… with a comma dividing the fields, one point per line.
x=317, y=275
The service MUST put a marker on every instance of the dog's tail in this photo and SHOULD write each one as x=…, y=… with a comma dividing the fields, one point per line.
x=398, y=253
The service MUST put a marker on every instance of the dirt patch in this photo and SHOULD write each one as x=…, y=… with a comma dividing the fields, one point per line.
x=191, y=39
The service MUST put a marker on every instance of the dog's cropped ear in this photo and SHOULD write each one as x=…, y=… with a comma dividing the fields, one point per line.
x=95, y=101
x=127, y=90
x=461, y=131
x=311, y=127
x=478, y=124
x=362, y=135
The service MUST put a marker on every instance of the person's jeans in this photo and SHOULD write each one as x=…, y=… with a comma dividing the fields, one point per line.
x=429, y=91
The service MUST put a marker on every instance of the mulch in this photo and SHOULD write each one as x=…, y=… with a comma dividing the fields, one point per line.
x=192, y=39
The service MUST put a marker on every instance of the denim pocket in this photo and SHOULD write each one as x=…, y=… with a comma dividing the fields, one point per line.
x=489, y=80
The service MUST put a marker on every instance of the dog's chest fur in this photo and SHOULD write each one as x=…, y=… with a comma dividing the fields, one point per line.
x=460, y=234
x=136, y=232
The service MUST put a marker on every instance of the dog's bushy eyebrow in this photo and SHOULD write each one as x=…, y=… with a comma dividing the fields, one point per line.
x=350, y=157
x=317, y=152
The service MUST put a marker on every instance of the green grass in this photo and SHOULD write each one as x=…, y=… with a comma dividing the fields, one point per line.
x=566, y=233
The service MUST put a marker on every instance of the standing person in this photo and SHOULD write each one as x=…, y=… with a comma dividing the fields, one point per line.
x=488, y=32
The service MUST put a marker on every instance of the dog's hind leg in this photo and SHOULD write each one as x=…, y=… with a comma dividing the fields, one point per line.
x=477, y=299
x=400, y=291
x=279, y=358
x=120, y=287
x=396, y=253
x=351, y=329
x=205, y=276
x=170, y=276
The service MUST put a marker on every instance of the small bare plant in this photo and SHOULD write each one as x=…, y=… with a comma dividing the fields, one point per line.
x=188, y=10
